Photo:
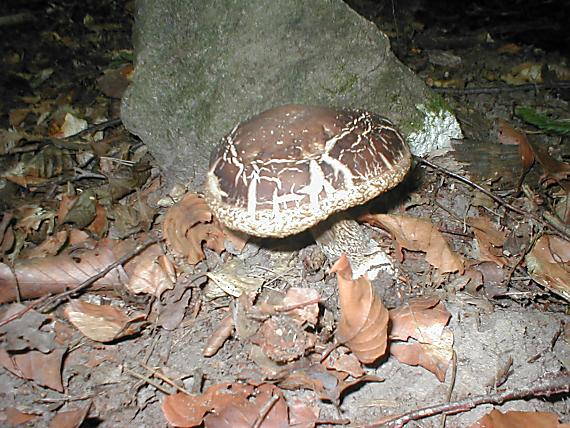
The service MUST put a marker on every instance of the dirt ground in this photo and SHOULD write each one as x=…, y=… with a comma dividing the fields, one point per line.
x=495, y=259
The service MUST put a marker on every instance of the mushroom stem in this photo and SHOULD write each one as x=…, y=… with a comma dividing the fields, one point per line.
x=338, y=235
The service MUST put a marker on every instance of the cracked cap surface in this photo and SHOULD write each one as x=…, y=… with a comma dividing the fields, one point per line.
x=290, y=167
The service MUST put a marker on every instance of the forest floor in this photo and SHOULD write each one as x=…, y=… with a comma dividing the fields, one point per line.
x=119, y=298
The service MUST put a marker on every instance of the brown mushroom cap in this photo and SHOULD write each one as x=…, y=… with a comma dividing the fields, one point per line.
x=290, y=167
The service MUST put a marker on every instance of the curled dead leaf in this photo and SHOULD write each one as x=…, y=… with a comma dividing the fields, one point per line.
x=190, y=224
x=364, y=319
x=222, y=332
x=417, y=234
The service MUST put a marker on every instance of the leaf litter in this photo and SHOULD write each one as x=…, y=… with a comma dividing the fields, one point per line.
x=237, y=332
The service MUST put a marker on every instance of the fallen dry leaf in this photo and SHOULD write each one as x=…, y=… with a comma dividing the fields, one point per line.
x=37, y=277
x=71, y=125
x=233, y=278
x=251, y=411
x=70, y=418
x=490, y=240
x=222, y=332
x=511, y=137
x=44, y=369
x=417, y=234
x=115, y=81
x=190, y=224
x=25, y=332
x=227, y=405
x=424, y=321
x=102, y=323
x=548, y=263
x=328, y=384
x=152, y=272
x=340, y=360
x=49, y=247
x=527, y=72
x=303, y=414
x=516, y=419
x=13, y=416
x=556, y=171
x=363, y=326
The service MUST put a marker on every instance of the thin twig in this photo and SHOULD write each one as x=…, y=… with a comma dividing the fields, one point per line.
x=502, y=89
x=89, y=281
x=146, y=379
x=451, y=386
x=156, y=373
x=547, y=220
x=475, y=185
x=544, y=388
x=265, y=410
x=94, y=128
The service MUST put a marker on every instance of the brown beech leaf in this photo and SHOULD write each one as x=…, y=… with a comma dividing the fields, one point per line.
x=13, y=416
x=557, y=171
x=511, y=137
x=363, y=325
x=115, y=81
x=70, y=418
x=252, y=409
x=516, y=419
x=424, y=321
x=553, y=168
x=339, y=359
x=190, y=224
x=44, y=369
x=102, y=323
x=25, y=332
x=152, y=272
x=100, y=224
x=222, y=332
x=303, y=413
x=37, y=277
x=328, y=384
x=548, y=263
x=49, y=247
x=417, y=234
x=490, y=240
x=227, y=405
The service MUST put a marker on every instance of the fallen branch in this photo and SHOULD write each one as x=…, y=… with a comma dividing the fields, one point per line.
x=545, y=387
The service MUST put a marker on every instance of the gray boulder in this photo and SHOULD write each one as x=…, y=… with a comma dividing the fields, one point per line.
x=203, y=67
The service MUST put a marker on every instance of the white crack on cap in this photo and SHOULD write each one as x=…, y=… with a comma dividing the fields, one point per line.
x=290, y=167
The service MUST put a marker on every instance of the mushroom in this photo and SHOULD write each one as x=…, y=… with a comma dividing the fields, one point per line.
x=291, y=168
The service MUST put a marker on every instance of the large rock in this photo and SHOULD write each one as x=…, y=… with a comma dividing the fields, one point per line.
x=203, y=67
